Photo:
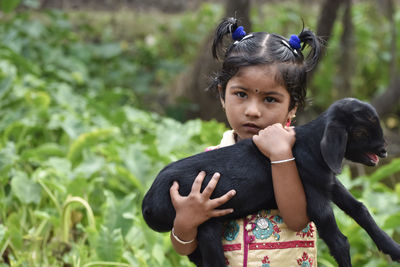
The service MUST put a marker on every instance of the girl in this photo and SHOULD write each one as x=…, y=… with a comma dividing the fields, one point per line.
x=261, y=85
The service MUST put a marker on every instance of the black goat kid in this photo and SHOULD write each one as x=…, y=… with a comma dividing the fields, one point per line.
x=348, y=129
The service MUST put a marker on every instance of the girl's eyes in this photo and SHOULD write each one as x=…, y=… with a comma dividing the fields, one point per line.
x=241, y=94
x=270, y=99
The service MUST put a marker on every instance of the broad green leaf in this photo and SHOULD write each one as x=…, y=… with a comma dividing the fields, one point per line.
x=131, y=258
x=158, y=254
x=5, y=86
x=78, y=186
x=135, y=237
x=3, y=233
x=109, y=244
x=89, y=166
x=13, y=223
x=136, y=160
x=60, y=165
x=392, y=222
x=116, y=211
x=38, y=99
x=89, y=139
x=171, y=134
x=386, y=170
x=43, y=152
x=8, y=156
x=125, y=174
x=25, y=189
x=12, y=54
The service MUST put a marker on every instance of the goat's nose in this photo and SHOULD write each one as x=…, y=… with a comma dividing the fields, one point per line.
x=382, y=153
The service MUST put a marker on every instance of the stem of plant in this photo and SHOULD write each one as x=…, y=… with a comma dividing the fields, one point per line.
x=65, y=215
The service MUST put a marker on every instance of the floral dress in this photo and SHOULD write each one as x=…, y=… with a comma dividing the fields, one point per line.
x=264, y=240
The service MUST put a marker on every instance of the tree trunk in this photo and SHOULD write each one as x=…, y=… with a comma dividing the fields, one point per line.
x=385, y=102
x=241, y=10
x=326, y=20
x=192, y=83
x=346, y=64
x=388, y=9
x=389, y=99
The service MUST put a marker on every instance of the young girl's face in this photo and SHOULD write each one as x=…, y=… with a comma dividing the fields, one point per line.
x=254, y=100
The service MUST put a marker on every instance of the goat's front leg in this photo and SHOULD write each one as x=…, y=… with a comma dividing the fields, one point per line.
x=209, y=239
x=355, y=209
x=321, y=213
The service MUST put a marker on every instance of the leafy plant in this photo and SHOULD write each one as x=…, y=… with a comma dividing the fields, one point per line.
x=78, y=151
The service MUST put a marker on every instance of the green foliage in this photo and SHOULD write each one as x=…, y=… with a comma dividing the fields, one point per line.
x=77, y=150
x=147, y=57
x=8, y=5
x=76, y=154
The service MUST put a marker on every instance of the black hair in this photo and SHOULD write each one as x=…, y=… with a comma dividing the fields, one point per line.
x=260, y=48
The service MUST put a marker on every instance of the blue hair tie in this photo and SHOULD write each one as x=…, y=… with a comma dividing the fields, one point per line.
x=238, y=34
x=294, y=41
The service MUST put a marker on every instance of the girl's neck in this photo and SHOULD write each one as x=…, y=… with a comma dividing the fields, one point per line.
x=236, y=137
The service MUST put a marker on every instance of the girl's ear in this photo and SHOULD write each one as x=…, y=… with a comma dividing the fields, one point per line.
x=292, y=113
x=221, y=96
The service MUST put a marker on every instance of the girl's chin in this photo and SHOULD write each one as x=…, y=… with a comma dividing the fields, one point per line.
x=245, y=135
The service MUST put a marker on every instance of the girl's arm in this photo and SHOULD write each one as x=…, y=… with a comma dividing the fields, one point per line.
x=194, y=209
x=276, y=143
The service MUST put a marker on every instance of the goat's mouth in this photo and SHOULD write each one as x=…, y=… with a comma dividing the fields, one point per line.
x=373, y=159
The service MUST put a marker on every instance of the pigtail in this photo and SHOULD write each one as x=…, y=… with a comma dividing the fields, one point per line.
x=227, y=25
x=307, y=37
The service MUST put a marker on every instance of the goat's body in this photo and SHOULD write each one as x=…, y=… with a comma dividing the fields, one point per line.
x=233, y=163
x=244, y=168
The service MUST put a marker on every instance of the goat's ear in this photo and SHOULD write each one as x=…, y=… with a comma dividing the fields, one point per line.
x=333, y=146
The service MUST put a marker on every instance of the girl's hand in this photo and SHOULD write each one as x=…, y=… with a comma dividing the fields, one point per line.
x=197, y=207
x=275, y=141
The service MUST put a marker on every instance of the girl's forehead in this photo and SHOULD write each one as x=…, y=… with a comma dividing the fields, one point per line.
x=257, y=78
x=268, y=70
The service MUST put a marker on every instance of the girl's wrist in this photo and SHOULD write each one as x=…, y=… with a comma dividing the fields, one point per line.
x=281, y=155
x=184, y=229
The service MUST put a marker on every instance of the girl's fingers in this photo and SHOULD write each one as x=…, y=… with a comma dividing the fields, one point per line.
x=174, y=193
x=211, y=185
x=216, y=202
x=290, y=129
x=198, y=181
x=256, y=138
x=218, y=213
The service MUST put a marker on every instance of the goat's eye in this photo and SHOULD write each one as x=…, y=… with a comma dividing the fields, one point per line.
x=360, y=133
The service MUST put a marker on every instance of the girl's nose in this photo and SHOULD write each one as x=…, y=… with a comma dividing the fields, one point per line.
x=252, y=110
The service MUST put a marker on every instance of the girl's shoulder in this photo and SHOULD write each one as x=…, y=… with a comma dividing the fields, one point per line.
x=228, y=139
x=212, y=148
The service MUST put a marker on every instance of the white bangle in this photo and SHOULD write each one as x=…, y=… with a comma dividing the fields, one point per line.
x=282, y=161
x=179, y=240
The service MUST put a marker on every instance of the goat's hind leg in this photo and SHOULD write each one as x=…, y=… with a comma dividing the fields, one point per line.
x=210, y=243
x=355, y=209
x=321, y=213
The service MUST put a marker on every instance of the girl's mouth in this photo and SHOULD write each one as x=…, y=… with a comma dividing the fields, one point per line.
x=251, y=128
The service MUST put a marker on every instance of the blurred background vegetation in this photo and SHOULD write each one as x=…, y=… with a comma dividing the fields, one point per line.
x=97, y=96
